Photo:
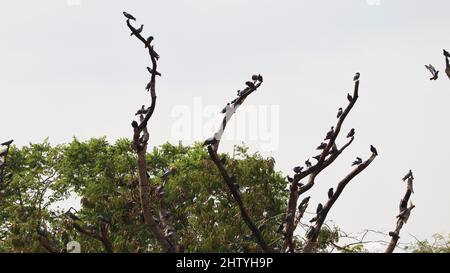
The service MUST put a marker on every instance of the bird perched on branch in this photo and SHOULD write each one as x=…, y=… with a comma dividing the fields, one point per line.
x=356, y=77
x=7, y=143
x=138, y=31
x=447, y=62
x=373, y=150
x=298, y=169
x=225, y=109
x=351, y=133
x=210, y=141
x=304, y=202
x=250, y=84
x=151, y=71
x=148, y=41
x=349, y=97
x=330, y=193
x=433, y=72
x=290, y=179
x=330, y=133
x=322, y=146
x=134, y=124
x=340, y=111
x=308, y=163
x=319, y=208
x=129, y=16
x=141, y=111
x=408, y=175
x=358, y=161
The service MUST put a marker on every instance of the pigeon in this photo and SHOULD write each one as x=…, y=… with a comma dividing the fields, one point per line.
x=148, y=41
x=356, y=77
x=308, y=163
x=250, y=84
x=357, y=162
x=298, y=169
x=340, y=111
x=151, y=71
x=129, y=16
x=433, y=71
x=134, y=124
x=319, y=208
x=330, y=193
x=373, y=150
x=330, y=133
x=408, y=175
x=349, y=97
x=141, y=111
x=351, y=133
x=7, y=143
x=322, y=146
x=138, y=31
x=225, y=109
x=210, y=141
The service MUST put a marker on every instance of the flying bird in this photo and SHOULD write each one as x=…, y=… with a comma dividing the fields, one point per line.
x=314, y=219
x=356, y=77
x=373, y=150
x=330, y=193
x=138, y=31
x=308, y=163
x=322, y=146
x=433, y=72
x=358, y=161
x=330, y=133
x=129, y=16
x=351, y=133
x=298, y=169
x=340, y=111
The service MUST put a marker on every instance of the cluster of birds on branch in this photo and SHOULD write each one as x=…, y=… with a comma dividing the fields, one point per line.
x=434, y=72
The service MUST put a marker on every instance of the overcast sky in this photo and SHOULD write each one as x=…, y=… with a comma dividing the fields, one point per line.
x=70, y=68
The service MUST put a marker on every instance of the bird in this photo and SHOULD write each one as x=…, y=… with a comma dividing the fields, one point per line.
x=322, y=146
x=290, y=179
x=358, y=161
x=254, y=78
x=394, y=235
x=308, y=163
x=356, y=77
x=340, y=111
x=314, y=219
x=433, y=71
x=239, y=93
x=148, y=86
x=134, y=124
x=151, y=71
x=349, y=97
x=225, y=109
x=7, y=143
x=304, y=201
x=129, y=16
x=330, y=193
x=319, y=208
x=260, y=78
x=373, y=150
x=298, y=169
x=250, y=84
x=408, y=175
x=148, y=41
x=311, y=232
x=210, y=141
x=330, y=133
x=447, y=62
x=351, y=133
x=138, y=31
x=141, y=111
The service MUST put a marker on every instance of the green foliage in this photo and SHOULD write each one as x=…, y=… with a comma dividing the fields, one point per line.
x=441, y=244
x=103, y=177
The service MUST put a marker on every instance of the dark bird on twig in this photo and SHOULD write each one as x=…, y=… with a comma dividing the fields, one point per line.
x=148, y=41
x=138, y=31
x=260, y=78
x=250, y=84
x=446, y=53
x=298, y=169
x=340, y=111
x=314, y=219
x=433, y=72
x=351, y=133
x=7, y=143
x=129, y=16
x=330, y=133
x=349, y=97
x=408, y=175
x=134, y=124
x=290, y=179
x=254, y=78
x=373, y=150
x=304, y=201
x=447, y=62
x=357, y=162
x=322, y=146
x=308, y=164
x=330, y=193
x=210, y=141
x=225, y=109
x=356, y=77
x=141, y=111
x=319, y=208
x=151, y=71
x=148, y=86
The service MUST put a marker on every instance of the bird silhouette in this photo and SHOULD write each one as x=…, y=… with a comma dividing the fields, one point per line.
x=356, y=77
x=330, y=193
x=308, y=163
x=129, y=16
x=141, y=111
x=225, y=109
x=134, y=124
x=148, y=41
x=358, y=161
x=322, y=146
x=340, y=111
x=250, y=84
x=408, y=175
x=290, y=179
x=349, y=97
x=7, y=143
x=138, y=31
x=319, y=208
x=433, y=72
x=447, y=62
x=298, y=169
x=304, y=201
x=351, y=133
x=151, y=71
x=373, y=150
x=330, y=133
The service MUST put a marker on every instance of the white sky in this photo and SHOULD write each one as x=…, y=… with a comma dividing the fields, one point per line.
x=73, y=70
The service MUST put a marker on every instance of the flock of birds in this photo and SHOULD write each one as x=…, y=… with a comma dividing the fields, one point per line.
x=434, y=72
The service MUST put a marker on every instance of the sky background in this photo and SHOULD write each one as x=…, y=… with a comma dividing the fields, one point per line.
x=69, y=68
